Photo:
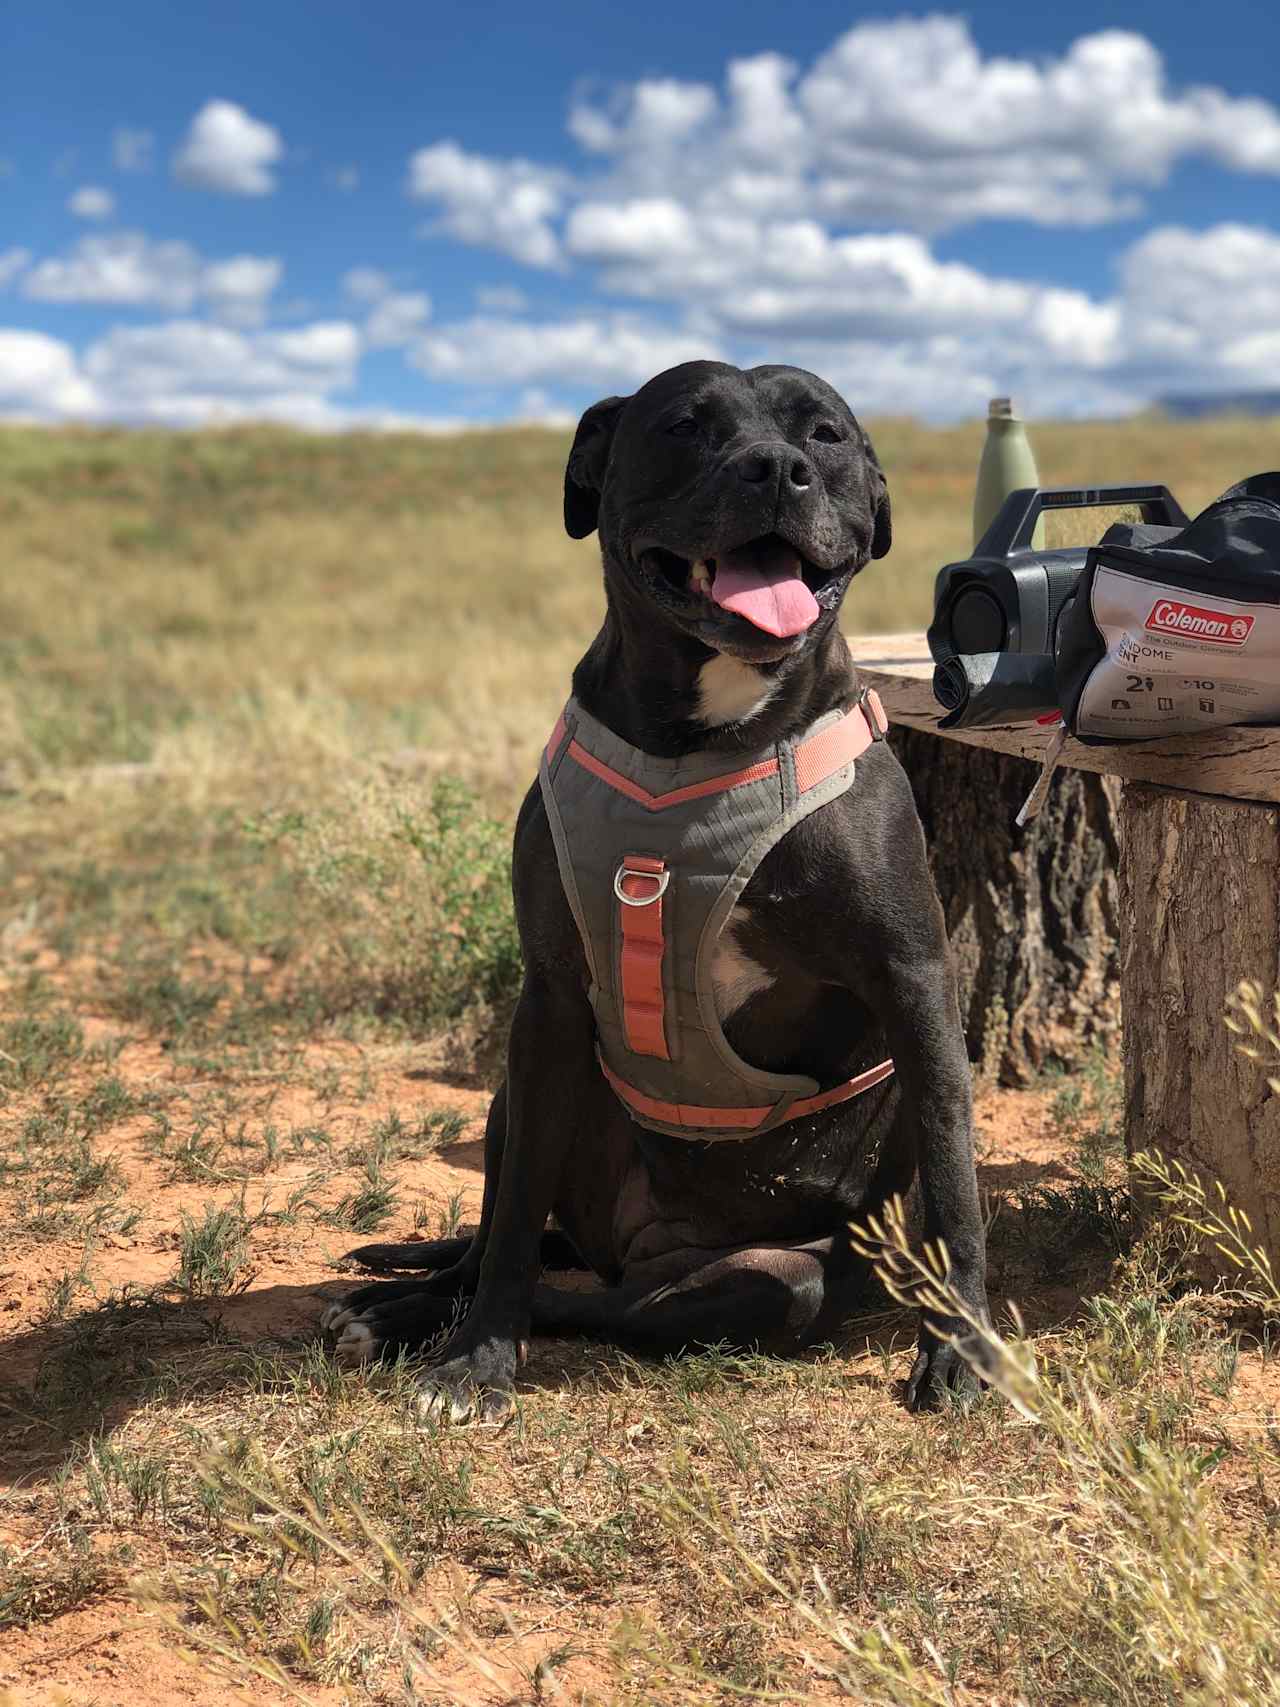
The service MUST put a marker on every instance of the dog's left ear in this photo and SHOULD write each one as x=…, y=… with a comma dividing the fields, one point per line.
x=588, y=459
x=882, y=537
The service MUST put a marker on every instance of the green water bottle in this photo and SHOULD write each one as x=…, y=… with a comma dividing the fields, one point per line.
x=1007, y=465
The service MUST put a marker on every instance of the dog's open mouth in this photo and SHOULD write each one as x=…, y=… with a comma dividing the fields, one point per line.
x=766, y=581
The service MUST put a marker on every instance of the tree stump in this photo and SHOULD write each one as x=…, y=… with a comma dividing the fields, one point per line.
x=1033, y=915
x=1034, y=918
x=1200, y=886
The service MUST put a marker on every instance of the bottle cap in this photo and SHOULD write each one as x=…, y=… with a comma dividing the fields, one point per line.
x=1001, y=409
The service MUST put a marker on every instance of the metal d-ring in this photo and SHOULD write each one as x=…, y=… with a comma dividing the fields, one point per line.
x=662, y=877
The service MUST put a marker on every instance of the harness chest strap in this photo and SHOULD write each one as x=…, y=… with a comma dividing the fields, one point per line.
x=817, y=757
x=745, y=1120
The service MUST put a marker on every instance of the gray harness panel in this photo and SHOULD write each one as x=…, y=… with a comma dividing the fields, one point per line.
x=653, y=855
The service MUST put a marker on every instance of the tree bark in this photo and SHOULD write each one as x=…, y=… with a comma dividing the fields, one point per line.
x=1200, y=883
x=1032, y=914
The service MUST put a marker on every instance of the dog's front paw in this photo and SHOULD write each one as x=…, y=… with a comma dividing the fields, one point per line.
x=940, y=1376
x=477, y=1385
x=944, y=1374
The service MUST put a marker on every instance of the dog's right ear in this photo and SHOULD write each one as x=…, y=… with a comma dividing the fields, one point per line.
x=882, y=537
x=588, y=459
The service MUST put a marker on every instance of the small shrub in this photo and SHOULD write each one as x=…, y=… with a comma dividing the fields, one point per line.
x=166, y=1003
x=214, y=1256
x=391, y=1140
x=367, y=1208
x=1088, y=1110
x=406, y=904
x=467, y=857
x=35, y=1049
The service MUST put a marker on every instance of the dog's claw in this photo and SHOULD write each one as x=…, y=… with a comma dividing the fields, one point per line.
x=335, y=1318
x=452, y=1394
x=474, y=1385
x=356, y=1342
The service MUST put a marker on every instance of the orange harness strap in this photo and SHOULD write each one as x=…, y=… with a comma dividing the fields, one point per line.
x=744, y=1119
x=640, y=885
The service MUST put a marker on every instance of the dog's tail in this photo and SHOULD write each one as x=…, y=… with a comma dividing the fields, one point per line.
x=557, y=1252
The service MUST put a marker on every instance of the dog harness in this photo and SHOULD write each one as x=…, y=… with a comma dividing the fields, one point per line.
x=653, y=855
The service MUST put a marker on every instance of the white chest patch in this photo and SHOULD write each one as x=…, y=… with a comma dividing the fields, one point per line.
x=730, y=691
x=735, y=977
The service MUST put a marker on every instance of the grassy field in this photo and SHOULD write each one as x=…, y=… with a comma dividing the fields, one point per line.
x=266, y=705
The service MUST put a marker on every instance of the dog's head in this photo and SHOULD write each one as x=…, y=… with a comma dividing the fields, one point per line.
x=738, y=505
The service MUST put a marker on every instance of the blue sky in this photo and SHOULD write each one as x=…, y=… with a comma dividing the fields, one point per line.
x=431, y=213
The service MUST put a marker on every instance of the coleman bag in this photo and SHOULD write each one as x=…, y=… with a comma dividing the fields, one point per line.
x=1173, y=632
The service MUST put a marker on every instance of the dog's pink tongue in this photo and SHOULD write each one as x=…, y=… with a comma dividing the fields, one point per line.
x=766, y=587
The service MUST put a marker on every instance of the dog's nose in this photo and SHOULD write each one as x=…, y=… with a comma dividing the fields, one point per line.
x=761, y=465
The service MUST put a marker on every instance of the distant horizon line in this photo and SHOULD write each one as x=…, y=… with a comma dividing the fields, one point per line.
x=1260, y=404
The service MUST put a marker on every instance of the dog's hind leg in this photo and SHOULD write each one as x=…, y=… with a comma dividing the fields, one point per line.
x=396, y=1303
x=775, y=1298
x=771, y=1297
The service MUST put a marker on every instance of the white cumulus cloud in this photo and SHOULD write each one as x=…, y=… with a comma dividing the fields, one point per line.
x=40, y=378
x=188, y=373
x=129, y=269
x=123, y=269
x=1200, y=309
x=787, y=210
x=591, y=350
x=397, y=319
x=366, y=284
x=227, y=150
x=501, y=299
x=900, y=332
x=504, y=204
x=786, y=275
x=12, y=262
x=238, y=290
x=91, y=202
x=783, y=210
x=395, y=316
x=905, y=122
x=658, y=115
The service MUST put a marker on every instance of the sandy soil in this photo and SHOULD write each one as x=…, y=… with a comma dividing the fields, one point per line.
x=111, y=1653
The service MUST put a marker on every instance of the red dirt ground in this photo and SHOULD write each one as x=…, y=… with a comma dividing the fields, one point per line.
x=110, y=1653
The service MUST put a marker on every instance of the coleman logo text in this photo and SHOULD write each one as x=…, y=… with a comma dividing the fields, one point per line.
x=1198, y=622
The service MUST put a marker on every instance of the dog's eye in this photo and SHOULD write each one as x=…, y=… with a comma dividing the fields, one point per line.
x=826, y=434
x=684, y=428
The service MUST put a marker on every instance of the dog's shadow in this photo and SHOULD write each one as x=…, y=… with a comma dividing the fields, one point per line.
x=70, y=1381
x=66, y=1382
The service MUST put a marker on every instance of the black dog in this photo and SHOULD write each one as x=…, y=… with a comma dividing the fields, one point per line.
x=837, y=956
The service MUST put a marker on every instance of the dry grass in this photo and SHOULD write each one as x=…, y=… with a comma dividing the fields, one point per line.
x=1101, y=1530
x=210, y=602
x=234, y=667
x=240, y=883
